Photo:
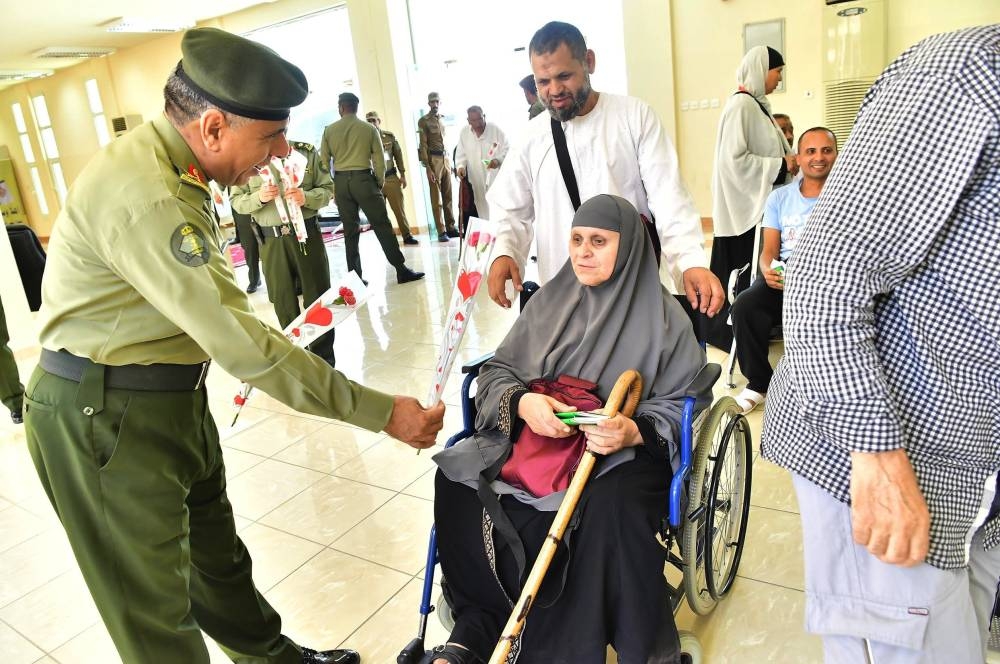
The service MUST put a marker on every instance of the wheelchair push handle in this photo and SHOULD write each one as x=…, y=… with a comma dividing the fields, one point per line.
x=624, y=398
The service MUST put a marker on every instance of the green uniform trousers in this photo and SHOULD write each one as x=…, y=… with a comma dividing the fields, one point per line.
x=285, y=263
x=11, y=390
x=440, y=190
x=393, y=192
x=138, y=482
x=359, y=189
x=251, y=246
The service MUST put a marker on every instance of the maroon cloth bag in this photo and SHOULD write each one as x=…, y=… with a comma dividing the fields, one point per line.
x=542, y=465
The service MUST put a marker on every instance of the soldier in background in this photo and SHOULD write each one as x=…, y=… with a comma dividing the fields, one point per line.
x=11, y=390
x=395, y=176
x=535, y=105
x=432, y=156
x=251, y=247
x=287, y=262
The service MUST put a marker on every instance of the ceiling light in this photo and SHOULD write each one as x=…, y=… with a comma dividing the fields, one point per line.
x=23, y=74
x=72, y=52
x=139, y=24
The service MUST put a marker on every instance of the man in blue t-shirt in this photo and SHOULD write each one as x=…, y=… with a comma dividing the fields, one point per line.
x=758, y=309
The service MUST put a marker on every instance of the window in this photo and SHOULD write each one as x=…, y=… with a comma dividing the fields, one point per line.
x=97, y=108
x=29, y=156
x=49, y=148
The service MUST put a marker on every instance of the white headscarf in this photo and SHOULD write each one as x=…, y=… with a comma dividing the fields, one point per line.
x=752, y=73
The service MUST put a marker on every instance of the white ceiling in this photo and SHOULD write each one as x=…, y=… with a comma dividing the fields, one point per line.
x=30, y=25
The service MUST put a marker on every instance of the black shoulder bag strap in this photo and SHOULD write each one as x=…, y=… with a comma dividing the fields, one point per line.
x=569, y=177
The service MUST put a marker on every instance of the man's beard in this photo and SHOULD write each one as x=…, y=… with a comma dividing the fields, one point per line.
x=573, y=110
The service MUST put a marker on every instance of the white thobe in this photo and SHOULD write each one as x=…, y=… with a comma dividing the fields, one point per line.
x=617, y=148
x=473, y=153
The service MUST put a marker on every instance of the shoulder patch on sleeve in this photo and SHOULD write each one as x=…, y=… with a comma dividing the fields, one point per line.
x=189, y=246
x=303, y=147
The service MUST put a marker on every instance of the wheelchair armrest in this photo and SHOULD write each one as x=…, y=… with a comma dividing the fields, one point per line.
x=702, y=384
x=475, y=365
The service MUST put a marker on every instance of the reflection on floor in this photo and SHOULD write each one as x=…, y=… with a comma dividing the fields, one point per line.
x=337, y=518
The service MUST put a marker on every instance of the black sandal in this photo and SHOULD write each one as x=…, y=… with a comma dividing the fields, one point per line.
x=453, y=654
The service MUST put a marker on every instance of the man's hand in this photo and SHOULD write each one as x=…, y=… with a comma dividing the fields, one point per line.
x=494, y=163
x=537, y=412
x=402, y=180
x=703, y=290
x=774, y=279
x=413, y=424
x=502, y=270
x=611, y=435
x=295, y=195
x=268, y=193
x=889, y=515
x=430, y=176
x=461, y=171
x=792, y=162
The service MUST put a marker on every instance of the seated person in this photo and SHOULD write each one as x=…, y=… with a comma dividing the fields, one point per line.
x=758, y=309
x=603, y=313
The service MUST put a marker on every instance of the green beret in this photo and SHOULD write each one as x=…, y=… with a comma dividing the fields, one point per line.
x=348, y=98
x=433, y=97
x=240, y=76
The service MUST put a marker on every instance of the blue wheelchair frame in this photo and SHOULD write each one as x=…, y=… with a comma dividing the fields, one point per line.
x=415, y=651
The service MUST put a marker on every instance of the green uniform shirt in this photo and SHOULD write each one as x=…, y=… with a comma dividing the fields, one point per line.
x=354, y=145
x=431, y=136
x=535, y=109
x=317, y=185
x=393, y=153
x=135, y=275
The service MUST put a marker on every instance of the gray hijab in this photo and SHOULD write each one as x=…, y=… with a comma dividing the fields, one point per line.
x=596, y=333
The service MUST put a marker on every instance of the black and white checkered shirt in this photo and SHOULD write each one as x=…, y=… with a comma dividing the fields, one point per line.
x=892, y=301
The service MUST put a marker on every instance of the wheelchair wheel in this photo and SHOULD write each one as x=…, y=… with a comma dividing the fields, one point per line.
x=714, y=527
x=445, y=614
x=691, y=647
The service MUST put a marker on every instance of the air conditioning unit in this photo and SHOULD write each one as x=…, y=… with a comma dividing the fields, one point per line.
x=124, y=124
x=854, y=54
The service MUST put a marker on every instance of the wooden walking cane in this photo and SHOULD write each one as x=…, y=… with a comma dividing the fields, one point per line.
x=630, y=384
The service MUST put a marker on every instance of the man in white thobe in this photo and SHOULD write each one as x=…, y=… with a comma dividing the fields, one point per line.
x=482, y=147
x=617, y=146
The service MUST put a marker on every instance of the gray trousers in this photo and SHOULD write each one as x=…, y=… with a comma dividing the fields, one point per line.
x=870, y=612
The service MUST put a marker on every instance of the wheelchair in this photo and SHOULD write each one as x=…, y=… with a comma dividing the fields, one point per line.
x=704, y=532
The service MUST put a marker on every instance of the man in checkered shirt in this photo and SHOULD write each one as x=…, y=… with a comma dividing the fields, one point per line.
x=886, y=406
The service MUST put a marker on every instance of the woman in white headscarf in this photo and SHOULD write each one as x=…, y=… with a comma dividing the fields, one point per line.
x=751, y=158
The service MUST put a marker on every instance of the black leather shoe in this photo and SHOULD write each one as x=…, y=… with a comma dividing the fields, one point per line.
x=443, y=237
x=18, y=418
x=452, y=232
x=410, y=240
x=406, y=275
x=252, y=288
x=330, y=657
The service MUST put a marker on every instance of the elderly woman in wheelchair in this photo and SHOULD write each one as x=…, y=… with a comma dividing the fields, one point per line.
x=496, y=491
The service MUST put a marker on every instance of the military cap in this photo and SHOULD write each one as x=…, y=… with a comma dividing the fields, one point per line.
x=347, y=98
x=433, y=97
x=239, y=75
x=372, y=115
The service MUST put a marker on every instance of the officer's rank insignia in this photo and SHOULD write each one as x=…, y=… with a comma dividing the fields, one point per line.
x=195, y=177
x=189, y=245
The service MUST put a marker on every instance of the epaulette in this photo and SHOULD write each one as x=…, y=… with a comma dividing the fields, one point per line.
x=196, y=190
x=302, y=146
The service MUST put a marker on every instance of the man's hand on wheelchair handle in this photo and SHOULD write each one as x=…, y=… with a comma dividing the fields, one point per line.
x=502, y=269
x=413, y=424
x=703, y=290
x=889, y=515
x=537, y=412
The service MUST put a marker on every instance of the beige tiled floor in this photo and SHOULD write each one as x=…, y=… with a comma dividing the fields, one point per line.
x=337, y=518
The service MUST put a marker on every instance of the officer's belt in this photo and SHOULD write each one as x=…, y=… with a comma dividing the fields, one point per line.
x=390, y=171
x=281, y=230
x=139, y=377
x=437, y=153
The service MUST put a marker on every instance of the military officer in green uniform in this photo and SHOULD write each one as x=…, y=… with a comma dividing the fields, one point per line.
x=355, y=150
x=535, y=105
x=11, y=390
x=285, y=259
x=395, y=176
x=137, y=300
x=432, y=157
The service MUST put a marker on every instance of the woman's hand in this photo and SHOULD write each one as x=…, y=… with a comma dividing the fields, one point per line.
x=612, y=435
x=537, y=412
